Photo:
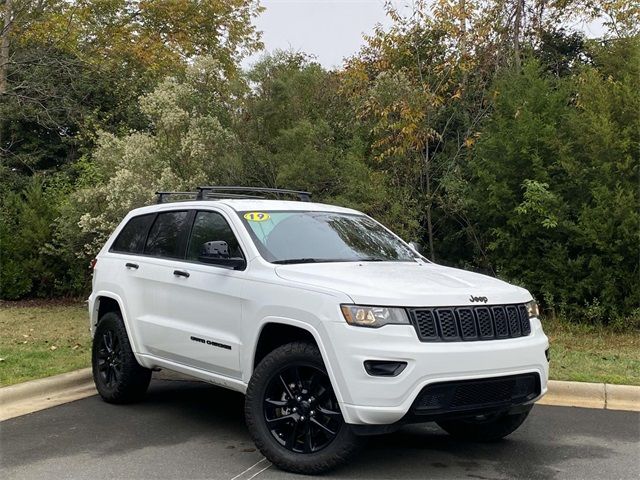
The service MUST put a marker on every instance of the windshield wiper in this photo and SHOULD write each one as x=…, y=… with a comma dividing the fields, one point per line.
x=288, y=261
x=328, y=260
x=296, y=260
x=312, y=260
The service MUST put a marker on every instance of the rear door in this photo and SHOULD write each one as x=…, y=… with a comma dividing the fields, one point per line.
x=194, y=308
x=124, y=276
x=161, y=256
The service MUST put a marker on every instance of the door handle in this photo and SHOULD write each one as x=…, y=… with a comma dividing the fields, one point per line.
x=132, y=265
x=181, y=273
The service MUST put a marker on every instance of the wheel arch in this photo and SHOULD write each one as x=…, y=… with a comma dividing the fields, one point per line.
x=106, y=302
x=304, y=331
x=105, y=305
x=275, y=334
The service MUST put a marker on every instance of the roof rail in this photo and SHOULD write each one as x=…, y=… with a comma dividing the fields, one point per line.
x=203, y=192
x=230, y=195
x=220, y=192
x=162, y=196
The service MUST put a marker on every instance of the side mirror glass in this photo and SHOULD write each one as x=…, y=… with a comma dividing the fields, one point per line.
x=216, y=252
x=214, y=249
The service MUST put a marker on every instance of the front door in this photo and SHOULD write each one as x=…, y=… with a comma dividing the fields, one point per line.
x=196, y=307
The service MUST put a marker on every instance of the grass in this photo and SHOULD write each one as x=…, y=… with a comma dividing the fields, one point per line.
x=585, y=353
x=40, y=339
x=48, y=338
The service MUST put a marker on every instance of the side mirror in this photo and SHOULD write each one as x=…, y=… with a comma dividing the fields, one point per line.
x=416, y=246
x=217, y=253
x=215, y=249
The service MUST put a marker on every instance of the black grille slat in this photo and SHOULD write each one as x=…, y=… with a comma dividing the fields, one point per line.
x=525, y=323
x=426, y=323
x=472, y=323
x=467, y=323
x=500, y=322
x=448, y=328
x=513, y=318
x=485, y=324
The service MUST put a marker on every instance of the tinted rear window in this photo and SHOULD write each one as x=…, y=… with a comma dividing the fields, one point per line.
x=131, y=238
x=166, y=237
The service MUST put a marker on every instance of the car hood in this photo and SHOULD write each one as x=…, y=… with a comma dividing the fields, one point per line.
x=404, y=283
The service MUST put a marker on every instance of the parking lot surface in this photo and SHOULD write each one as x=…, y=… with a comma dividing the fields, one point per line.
x=189, y=430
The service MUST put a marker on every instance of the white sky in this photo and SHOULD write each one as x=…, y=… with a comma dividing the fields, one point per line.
x=331, y=30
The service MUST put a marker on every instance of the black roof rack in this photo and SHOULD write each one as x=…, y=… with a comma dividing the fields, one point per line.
x=218, y=192
x=225, y=190
x=162, y=196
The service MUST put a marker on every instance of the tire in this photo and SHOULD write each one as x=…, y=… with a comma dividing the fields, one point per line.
x=289, y=400
x=481, y=429
x=116, y=373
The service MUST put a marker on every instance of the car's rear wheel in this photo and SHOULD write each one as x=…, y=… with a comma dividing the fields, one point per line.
x=116, y=373
x=293, y=414
x=484, y=428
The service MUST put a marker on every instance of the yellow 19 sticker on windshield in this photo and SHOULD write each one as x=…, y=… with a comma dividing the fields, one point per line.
x=256, y=216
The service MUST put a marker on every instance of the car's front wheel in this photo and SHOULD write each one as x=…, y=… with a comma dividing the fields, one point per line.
x=484, y=428
x=292, y=412
x=116, y=373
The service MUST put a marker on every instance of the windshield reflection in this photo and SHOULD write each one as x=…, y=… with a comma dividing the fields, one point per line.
x=313, y=237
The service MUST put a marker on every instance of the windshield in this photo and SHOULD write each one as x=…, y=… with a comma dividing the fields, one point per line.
x=311, y=236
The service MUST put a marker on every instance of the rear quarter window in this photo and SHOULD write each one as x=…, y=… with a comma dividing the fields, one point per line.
x=131, y=238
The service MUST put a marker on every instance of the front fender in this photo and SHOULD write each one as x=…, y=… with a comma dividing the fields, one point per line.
x=319, y=334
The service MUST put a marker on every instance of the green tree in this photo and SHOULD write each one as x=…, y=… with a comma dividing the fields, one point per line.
x=554, y=185
x=186, y=145
x=25, y=228
x=296, y=129
x=70, y=69
x=420, y=88
x=71, y=74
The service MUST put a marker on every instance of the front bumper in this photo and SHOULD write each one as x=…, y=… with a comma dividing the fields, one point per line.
x=373, y=400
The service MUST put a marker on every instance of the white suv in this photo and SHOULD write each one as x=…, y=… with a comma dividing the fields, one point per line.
x=332, y=325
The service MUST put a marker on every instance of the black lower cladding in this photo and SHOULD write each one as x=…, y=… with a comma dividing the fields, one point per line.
x=465, y=399
x=477, y=395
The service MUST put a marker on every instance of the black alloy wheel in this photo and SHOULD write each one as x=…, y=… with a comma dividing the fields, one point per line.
x=119, y=378
x=301, y=410
x=293, y=414
x=109, y=358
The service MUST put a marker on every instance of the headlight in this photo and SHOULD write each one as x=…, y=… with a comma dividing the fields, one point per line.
x=373, y=317
x=532, y=308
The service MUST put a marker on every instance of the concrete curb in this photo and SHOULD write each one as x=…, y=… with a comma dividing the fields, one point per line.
x=592, y=395
x=28, y=397
x=578, y=394
x=622, y=397
x=44, y=386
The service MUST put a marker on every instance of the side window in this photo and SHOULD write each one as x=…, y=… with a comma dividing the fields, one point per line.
x=211, y=226
x=166, y=237
x=131, y=238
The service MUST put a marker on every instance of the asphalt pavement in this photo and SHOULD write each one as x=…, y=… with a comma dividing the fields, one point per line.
x=187, y=430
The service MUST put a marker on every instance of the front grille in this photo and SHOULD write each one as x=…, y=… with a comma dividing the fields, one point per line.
x=454, y=324
x=467, y=395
